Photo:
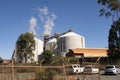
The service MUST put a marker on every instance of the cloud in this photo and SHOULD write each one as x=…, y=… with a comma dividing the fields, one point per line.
x=33, y=24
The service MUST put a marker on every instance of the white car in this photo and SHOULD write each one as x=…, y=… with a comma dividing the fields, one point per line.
x=77, y=68
x=112, y=69
x=91, y=69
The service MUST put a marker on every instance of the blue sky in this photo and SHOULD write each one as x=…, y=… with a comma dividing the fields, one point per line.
x=16, y=17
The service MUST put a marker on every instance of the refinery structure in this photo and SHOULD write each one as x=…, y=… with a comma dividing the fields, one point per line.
x=60, y=44
x=66, y=44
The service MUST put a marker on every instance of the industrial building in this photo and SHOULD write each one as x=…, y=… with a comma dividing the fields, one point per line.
x=68, y=44
x=61, y=43
x=38, y=50
x=71, y=44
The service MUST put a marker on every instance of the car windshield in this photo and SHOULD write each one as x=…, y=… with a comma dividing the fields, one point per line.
x=87, y=67
x=109, y=67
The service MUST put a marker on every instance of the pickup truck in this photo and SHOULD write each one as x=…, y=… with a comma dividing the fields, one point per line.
x=91, y=69
x=77, y=68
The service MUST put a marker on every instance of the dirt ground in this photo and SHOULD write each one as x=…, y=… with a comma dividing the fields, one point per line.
x=89, y=77
x=63, y=77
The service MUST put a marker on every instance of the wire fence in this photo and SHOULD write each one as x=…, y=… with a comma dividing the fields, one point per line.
x=12, y=72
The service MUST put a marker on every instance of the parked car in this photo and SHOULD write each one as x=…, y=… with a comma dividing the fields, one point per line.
x=112, y=69
x=77, y=68
x=91, y=69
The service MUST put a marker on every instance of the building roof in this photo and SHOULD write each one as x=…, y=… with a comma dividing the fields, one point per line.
x=71, y=33
x=36, y=39
x=91, y=52
x=52, y=40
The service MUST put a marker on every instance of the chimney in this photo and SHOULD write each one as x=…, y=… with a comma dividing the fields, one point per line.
x=56, y=35
x=46, y=38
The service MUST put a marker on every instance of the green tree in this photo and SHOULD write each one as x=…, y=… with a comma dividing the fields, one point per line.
x=112, y=9
x=114, y=41
x=25, y=46
x=47, y=55
x=0, y=58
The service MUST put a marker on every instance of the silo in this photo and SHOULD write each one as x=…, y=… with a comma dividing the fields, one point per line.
x=51, y=44
x=70, y=40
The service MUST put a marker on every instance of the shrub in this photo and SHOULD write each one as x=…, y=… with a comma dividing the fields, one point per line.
x=45, y=74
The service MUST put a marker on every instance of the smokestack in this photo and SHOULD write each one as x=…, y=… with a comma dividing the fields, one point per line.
x=56, y=35
x=48, y=20
x=46, y=38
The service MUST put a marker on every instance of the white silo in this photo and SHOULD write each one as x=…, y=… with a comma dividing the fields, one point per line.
x=70, y=40
x=51, y=45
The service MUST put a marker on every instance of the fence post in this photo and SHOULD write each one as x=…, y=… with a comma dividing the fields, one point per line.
x=12, y=70
x=64, y=71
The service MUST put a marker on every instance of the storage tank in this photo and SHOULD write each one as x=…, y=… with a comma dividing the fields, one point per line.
x=70, y=40
x=51, y=45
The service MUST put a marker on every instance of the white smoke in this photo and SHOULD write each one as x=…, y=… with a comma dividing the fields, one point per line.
x=43, y=11
x=48, y=19
x=33, y=24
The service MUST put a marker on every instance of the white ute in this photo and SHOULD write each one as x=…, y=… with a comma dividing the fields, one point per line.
x=77, y=68
x=91, y=69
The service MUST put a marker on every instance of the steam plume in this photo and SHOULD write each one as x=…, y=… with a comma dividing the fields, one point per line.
x=33, y=24
x=48, y=19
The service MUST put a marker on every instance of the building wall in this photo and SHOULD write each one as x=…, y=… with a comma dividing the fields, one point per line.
x=38, y=50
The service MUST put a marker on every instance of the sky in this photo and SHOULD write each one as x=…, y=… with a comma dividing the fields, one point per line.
x=50, y=16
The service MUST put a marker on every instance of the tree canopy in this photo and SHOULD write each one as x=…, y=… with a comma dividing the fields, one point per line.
x=25, y=46
x=47, y=55
x=114, y=40
x=0, y=58
x=112, y=8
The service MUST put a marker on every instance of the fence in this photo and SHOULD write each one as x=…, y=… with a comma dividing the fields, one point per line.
x=12, y=72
